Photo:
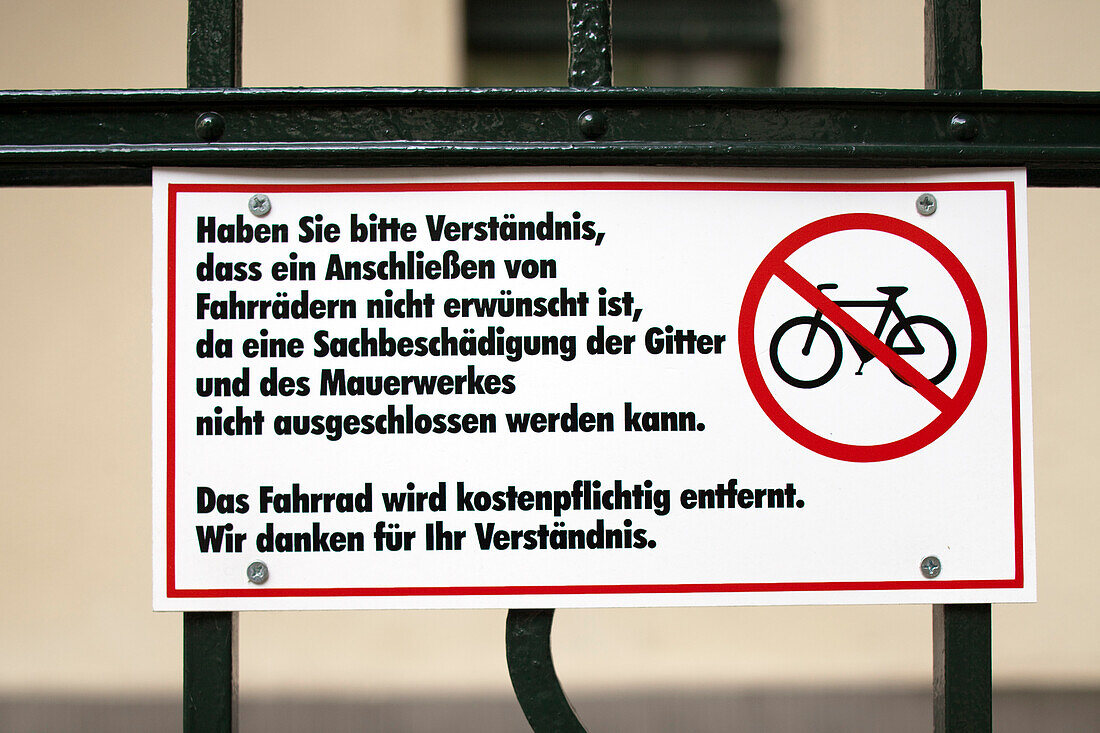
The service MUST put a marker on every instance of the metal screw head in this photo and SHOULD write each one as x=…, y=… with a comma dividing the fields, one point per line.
x=926, y=204
x=930, y=566
x=593, y=124
x=209, y=126
x=964, y=127
x=257, y=573
x=259, y=204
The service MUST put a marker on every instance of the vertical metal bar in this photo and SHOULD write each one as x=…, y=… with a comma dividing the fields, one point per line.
x=962, y=687
x=952, y=44
x=962, y=684
x=210, y=639
x=589, y=43
x=209, y=672
x=214, y=43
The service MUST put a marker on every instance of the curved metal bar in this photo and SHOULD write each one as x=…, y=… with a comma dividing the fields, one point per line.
x=531, y=667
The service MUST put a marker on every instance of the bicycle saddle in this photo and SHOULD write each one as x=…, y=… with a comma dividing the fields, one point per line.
x=894, y=290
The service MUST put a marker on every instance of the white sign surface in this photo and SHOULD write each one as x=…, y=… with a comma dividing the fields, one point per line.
x=590, y=387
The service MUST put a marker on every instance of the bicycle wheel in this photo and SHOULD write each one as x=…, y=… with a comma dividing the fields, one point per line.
x=813, y=361
x=945, y=344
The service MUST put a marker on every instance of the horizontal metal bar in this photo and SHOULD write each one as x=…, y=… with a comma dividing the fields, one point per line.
x=129, y=165
x=521, y=95
x=66, y=134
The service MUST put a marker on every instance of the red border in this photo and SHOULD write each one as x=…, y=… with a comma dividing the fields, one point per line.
x=174, y=189
x=170, y=414
x=775, y=265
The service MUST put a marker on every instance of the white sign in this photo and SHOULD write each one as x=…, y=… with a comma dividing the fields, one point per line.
x=590, y=387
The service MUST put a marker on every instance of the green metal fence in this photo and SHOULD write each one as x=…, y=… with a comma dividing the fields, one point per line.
x=116, y=137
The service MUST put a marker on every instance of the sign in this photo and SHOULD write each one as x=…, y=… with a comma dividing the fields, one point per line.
x=891, y=350
x=590, y=387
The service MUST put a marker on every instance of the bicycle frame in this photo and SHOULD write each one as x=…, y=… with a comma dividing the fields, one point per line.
x=889, y=307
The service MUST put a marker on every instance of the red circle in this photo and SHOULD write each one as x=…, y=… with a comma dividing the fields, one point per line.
x=847, y=451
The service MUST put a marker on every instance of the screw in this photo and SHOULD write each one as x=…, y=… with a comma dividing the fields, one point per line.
x=257, y=573
x=259, y=204
x=930, y=566
x=593, y=124
x=209, y=126
x=926, y=204
x=964, y=127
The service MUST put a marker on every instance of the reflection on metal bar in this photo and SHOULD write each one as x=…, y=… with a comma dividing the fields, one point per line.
x=531, y=667
x=589, y=43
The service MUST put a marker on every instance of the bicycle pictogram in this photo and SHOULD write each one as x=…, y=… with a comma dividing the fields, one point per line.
x=936, y=335
x=917, y=350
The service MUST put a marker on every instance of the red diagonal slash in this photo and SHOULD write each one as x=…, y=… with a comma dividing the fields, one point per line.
x=866, y=339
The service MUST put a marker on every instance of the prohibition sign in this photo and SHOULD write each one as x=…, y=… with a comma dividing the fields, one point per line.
x=950, y=408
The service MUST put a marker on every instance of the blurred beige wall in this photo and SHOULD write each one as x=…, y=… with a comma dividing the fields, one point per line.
x=74, y=479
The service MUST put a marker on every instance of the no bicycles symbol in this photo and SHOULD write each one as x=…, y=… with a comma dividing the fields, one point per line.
x=806, y=350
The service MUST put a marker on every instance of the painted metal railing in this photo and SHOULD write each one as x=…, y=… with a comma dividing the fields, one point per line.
x=116, y=137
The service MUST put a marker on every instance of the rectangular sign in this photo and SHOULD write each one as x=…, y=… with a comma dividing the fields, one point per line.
x=590, y=387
